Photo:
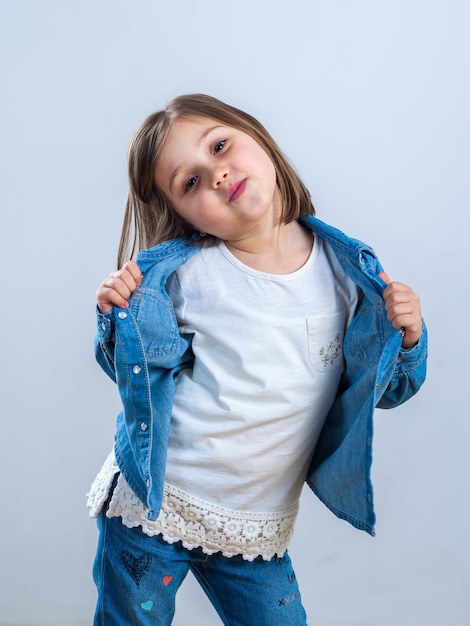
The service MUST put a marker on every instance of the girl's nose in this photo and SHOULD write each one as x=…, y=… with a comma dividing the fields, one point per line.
x=219, y=174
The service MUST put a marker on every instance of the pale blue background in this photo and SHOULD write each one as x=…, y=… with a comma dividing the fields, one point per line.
x=370, y=99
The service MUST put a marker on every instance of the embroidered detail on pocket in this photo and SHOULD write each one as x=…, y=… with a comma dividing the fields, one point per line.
x=325, y=341
x=331, y=351
x=137, y=566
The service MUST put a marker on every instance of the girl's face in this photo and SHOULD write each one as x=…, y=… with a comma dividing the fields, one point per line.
x=218, y=179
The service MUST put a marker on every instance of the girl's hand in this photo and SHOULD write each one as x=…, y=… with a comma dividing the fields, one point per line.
x=117, y=288
x=403, y=310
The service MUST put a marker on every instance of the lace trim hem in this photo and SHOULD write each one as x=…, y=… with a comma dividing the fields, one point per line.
x=196, y=522
x=101, y=486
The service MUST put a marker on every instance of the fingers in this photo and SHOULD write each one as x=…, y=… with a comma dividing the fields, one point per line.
x=404, y=311
x=117, y=288
x=384, y=277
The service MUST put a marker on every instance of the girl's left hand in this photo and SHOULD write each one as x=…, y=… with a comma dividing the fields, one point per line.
x=403, y=310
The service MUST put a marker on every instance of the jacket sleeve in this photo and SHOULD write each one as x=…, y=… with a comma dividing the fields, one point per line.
x=105, y=343
x=408, y=376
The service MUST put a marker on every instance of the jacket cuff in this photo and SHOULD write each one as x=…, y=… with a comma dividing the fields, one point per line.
x=105, y=325
x=418, y=351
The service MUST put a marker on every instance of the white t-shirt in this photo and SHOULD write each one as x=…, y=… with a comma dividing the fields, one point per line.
x=267, y=365
x=246, y=417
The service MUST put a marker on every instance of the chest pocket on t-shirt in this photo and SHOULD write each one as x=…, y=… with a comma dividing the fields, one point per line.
x=325, y=341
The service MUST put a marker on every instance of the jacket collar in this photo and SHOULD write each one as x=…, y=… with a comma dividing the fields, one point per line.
x=358, y=259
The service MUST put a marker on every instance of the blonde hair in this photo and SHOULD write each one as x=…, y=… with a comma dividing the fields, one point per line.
x=149, y=217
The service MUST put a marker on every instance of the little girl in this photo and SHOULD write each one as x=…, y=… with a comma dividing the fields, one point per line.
x=250, y=344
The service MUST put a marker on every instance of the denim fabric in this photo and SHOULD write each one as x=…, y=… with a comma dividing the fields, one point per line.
x=142, y=350
x=137, y=578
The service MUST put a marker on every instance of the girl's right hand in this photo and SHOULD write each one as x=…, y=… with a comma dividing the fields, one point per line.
x=117, y=288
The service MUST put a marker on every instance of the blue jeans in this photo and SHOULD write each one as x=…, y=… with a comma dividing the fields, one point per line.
x=137, y=578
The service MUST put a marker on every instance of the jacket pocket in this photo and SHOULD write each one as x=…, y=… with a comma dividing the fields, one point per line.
x=157, y=323
x=325, y=341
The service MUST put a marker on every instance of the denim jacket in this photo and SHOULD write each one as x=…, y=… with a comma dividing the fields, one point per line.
x=142, y=350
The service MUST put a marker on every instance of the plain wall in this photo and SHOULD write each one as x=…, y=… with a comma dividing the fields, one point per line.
x=370, y=100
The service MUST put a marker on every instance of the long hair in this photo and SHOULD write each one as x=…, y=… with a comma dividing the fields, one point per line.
x=149, y=217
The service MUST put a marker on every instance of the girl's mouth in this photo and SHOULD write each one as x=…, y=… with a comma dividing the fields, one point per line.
x=237, y=189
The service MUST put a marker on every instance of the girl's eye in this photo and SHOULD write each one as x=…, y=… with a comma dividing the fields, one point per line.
x=218, y=146
x=190, y=183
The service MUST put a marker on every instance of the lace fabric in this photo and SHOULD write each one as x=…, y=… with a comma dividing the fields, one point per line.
x=195, y=522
